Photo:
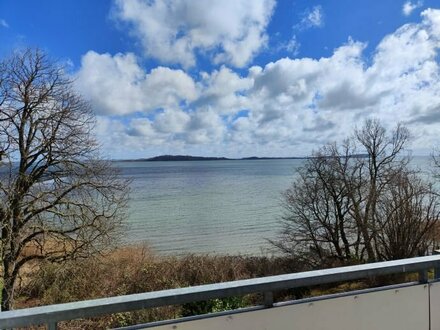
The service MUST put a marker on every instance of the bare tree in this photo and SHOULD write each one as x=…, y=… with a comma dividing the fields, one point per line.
x=317, y=224
x=59, y=200
x=359, y=202
x=408, y=215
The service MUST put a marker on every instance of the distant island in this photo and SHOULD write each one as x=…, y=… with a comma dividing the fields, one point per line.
x=171, y=158
x=180, y=158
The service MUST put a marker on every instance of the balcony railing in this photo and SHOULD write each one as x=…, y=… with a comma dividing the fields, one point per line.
x=52, y=314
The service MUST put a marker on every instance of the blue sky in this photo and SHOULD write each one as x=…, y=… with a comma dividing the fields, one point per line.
x=239, y=77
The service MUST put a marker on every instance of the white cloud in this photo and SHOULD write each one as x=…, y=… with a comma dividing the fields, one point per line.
x=228, y=31
x=3, y=23
x=325, y=98
x=312, y=18
x=172, y=121
x=223, y=90
x=408, y=7
x=206, y=126
x=118, y=85
x=142, y=127
x=291, y=46
x=286, y=107
x=307, y=101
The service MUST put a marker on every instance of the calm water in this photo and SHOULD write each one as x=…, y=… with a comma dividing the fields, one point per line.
x=206, y=206
x=209, y=206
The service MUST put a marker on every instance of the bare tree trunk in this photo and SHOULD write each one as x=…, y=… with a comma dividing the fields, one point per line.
x=6, y=296
x=7, y=289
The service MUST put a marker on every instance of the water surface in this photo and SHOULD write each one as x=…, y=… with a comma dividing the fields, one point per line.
x=224, y=206
x=227, y=206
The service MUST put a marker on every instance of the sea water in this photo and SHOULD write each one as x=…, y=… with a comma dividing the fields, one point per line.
x=222, y=207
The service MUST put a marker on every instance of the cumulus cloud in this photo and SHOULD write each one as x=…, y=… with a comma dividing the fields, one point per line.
x=408, y=7
x=142, y=127
x=401, y=81
x=228, y=31
x=118, y=85
x=205, y=127
x=172, y=121
x=223, y=90
x=286, y=107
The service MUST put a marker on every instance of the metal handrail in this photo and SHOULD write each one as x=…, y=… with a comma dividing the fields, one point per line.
x=267, y=285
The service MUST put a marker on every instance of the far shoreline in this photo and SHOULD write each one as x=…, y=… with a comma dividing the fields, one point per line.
x=187, y=158
x=192, y=159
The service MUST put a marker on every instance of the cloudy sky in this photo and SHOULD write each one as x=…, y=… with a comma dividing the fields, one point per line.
x=240, y=78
